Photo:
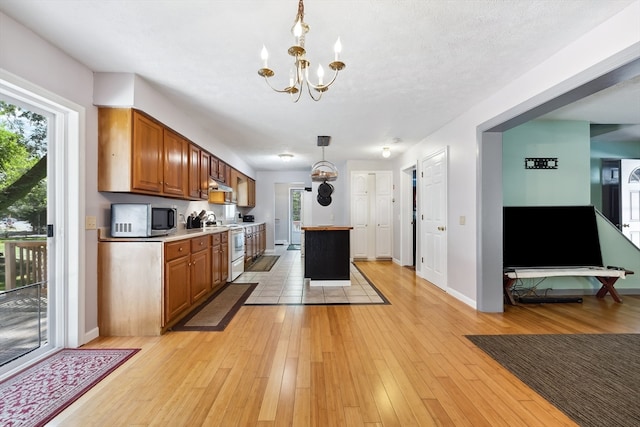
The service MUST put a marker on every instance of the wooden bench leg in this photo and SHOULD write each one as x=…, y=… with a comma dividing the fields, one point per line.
x=607, y=286
x=506, y=288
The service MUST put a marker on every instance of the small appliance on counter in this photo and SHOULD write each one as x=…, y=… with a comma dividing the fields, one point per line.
x=142, y=220
x=248, y=218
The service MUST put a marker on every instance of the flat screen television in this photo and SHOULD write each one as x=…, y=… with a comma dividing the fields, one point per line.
x=550, y=236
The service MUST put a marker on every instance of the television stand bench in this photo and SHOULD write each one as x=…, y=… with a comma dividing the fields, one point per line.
x=605, y=275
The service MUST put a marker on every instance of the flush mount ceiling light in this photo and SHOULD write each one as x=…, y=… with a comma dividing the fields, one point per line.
x=324, y=170
x=285, y=157
x=386, y=152
x=299, y=74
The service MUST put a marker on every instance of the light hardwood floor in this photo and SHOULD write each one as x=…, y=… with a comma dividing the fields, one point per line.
x=407, y=363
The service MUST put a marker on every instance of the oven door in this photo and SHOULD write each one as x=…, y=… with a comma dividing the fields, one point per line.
x=237, y=244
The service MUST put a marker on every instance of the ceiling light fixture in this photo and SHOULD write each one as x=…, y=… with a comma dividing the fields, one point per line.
x=386, y=152
x=299, y=75
x=285, y=157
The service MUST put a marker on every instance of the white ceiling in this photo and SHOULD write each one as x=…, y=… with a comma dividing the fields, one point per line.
x=412, y=65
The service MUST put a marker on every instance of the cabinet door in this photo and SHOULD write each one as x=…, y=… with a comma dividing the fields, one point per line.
x=204, y=174
x=176, y=164
x=200, y=274
x=223, y=172
x=224, y=262
x=147, y=154
x=251, y=192
x=176, y=292
x=214, y=164
x=194, y=172
x=216, y=267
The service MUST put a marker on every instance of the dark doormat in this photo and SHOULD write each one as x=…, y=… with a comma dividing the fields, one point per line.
x=217, y=311
x=293, y=247
x=263, y=263
x=593, y=378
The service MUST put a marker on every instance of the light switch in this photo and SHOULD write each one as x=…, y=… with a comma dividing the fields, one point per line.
x=463, y=220
x=90, y=223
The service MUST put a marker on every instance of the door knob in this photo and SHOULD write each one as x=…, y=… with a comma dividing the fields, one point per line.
x=625, y=225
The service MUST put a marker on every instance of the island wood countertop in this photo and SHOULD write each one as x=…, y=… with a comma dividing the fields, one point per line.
x=327, y=227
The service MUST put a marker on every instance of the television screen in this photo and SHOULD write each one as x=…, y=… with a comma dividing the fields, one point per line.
x=550, y=236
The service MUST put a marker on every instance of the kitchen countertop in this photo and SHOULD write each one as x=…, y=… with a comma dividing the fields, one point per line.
x=104, y=235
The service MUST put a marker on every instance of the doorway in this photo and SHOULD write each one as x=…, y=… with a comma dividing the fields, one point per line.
x=630, y=199
x=295, y=216
x=65, y=255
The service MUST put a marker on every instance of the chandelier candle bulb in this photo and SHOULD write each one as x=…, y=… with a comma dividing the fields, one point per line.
x=320, y=74
x=337, y=48
x=264, y=54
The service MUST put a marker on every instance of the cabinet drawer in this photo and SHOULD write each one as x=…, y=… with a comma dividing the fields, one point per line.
x=224, y=237
x=199, y=243
x=175, y=250
x=216, y=238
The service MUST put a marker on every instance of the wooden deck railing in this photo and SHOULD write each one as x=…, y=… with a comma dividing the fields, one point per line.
x=25, y=262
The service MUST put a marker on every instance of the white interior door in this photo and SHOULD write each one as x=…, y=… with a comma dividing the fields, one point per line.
x=630, y=199
x=359, y=215
x=433, y=217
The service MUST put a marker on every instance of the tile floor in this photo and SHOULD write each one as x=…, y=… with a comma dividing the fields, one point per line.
x=285, y=284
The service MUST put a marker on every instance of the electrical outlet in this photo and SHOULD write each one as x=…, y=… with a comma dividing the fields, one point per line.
x=463, y=220
x=90, y=223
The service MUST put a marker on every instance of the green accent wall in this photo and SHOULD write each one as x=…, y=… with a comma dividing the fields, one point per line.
x=568, y=141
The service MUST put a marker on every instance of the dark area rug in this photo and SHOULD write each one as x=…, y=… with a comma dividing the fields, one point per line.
x=593, y=379
x=36, y=395
x=218, y=310
x=263, y=263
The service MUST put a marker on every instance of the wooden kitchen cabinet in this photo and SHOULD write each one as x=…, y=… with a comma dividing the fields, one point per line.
x=200, y=277
x=176, y=164
x=204, y=174
x=147, y=286
x=194, y=172
x=177, y=271
x=134, y=157
x=251, y=192
x=224, y=257
x=216, y=257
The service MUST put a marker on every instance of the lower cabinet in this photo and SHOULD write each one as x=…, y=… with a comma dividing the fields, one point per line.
x=146, y=287
x=200, y=268
x=255, y=237
x=220, y=259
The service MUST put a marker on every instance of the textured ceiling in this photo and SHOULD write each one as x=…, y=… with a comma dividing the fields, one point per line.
x=412, y=66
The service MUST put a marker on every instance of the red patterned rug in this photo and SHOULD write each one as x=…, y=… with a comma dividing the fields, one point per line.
x=39, y=393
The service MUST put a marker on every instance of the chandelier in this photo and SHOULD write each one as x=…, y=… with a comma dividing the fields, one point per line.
x=299, y=74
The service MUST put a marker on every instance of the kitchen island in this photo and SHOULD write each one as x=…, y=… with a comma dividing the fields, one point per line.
x=327, y=255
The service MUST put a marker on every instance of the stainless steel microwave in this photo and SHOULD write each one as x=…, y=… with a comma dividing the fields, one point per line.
x=142, y=220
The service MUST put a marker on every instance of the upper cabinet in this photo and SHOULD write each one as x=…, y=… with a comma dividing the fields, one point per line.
x=176, y=164
x=246, y=190
x=138, y=154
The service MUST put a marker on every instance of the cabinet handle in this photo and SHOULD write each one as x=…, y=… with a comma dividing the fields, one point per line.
x=180, y=249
